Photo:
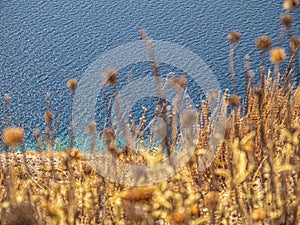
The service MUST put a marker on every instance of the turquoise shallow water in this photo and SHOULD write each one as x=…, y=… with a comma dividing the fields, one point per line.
x=46, y=42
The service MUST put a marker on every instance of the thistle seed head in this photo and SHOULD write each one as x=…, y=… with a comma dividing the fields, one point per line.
x=13, y=136
x=109, y=77
x=286, y=20
x=233, y=37
x=72, y=84
x=264, y=43
x=277, y=55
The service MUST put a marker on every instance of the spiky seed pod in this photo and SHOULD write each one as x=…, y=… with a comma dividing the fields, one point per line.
x=286, y=20
x=48, y=117
x=277, y=55
x=72, y=84
x=264, y=43
x=109, y=77
x=295, y=44
x=233, y=100
x=234, y=37
x=259, y=214
x=290, y=4
x=13, y=136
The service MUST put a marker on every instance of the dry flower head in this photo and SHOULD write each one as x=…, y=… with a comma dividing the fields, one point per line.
x=13, y=136
x=233, y=100
x=264, y=43
x=290, y=4
x=234, y=37
x=286, y=20
x=109, y=77
x=277, y=55
x=72, y=84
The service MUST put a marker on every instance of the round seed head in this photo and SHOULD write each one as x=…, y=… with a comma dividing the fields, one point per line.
x=72, y=84
x=233, y=37
x=233, y=100
x=277, y=55
x=286, y=20
x=13, y=136
x=295, y=44
x=109, y=77
x=264, y=43
x=290, y=4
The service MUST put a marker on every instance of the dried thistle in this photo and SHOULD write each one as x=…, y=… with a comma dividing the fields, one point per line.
x=290, y=4
x=109, y=77
x=277, y=55
x=264, y=43
x=233, y=100
x=233, y=37
x=48, y=116
x=13, y=136
x=286, y=20
x=72, y=84
x=295, y=44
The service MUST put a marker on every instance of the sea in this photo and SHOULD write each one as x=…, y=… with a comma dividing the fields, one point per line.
x=44, y=43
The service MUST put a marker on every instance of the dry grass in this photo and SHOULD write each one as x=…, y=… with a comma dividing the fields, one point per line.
x=254, y=178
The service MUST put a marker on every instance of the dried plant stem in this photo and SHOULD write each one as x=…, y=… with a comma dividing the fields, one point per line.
x=262, y=70
x=231, y=64
x=72, y=126
x=281, y=35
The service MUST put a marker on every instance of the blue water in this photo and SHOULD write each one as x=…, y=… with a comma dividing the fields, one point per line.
x=46, y=42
